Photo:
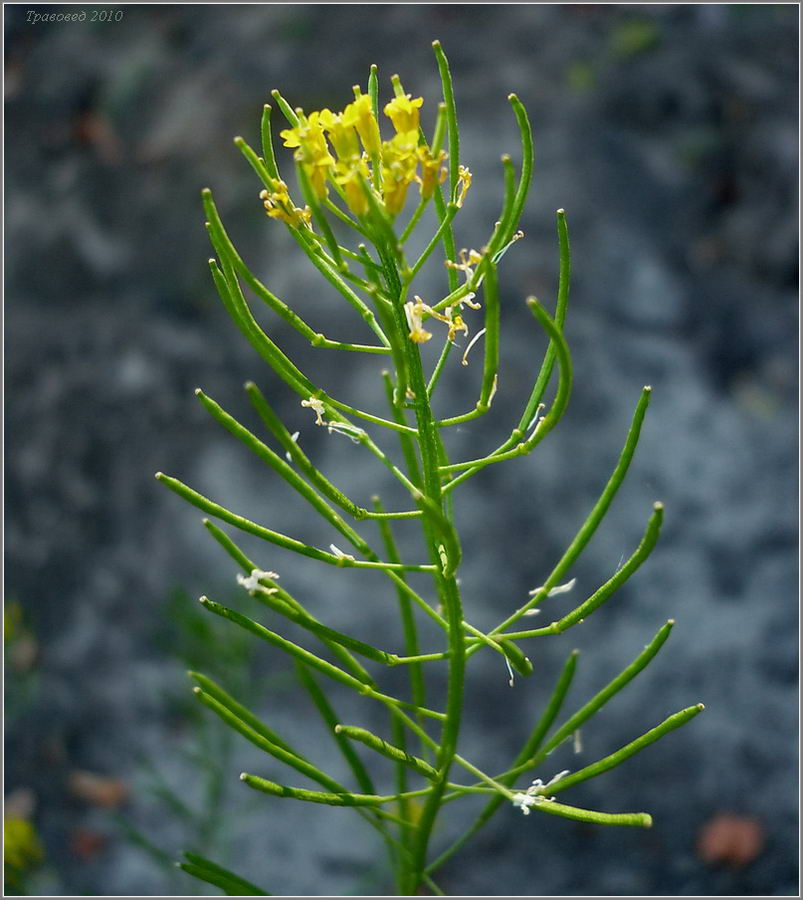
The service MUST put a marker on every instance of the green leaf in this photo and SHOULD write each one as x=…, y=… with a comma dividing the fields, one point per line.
x=205, y=870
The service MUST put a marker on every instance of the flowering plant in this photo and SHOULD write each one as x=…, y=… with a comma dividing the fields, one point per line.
x=351, y=178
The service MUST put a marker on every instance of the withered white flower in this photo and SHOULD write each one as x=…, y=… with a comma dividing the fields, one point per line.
x=251, y=582
x=316, y=405
x=535, y=793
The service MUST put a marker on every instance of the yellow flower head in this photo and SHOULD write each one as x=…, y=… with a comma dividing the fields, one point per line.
x=468, y=261
x=361, y=116
x=432, y=171
x=341, y=133
x=415, y=313
x=278, y=205
x=349, y=175
x=403, y=112
x=21, y=848
x=464, y=183
x=312, y=150
x=455, y=322
x=399, y=164
x=415, y=316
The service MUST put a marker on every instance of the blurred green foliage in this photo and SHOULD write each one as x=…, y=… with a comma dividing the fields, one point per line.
x=634, y=37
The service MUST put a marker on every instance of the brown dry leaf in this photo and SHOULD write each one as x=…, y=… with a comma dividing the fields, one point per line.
x=22, y=653
x=97, y=130
x=99, y=790
x=730, y=839
x=19, y=804
x=86, y=843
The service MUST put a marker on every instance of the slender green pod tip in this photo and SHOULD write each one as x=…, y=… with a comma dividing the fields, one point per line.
x=516, y=658
x=389, y=751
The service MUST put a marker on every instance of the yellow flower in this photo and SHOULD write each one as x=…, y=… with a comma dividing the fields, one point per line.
x=399, y=164
x=431, y=170
x=312, y=150
x=12, y=617
x=349, y=175
x=21, y=846
x=464, y=183
x=455, y=322
x=415, y=312
x=468, y=260
x=403, y=112
x=361, y=116
x=340, y=129
x=278, y=205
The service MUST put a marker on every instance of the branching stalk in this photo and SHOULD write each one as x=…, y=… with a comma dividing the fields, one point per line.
x=357, y=181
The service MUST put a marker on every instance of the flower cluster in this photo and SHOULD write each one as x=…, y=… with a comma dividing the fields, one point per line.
x=345, y=150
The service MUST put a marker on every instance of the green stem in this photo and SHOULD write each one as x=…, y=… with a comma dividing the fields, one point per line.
x=542, y=380
x=330, y=718
x=446, y=221
x=548, y=422
x=596, y=702
x=594, y=518
x=287, y=599
x=599, y=596
x=417, y=689
x=274, y=537
x=389, y=751
x=311, y=659
x=451, y=117
x=530, y=747
x=448, y=593
x=291, y=447
x=617, y=758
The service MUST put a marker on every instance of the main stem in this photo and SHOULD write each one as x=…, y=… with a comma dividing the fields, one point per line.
x=448, y=591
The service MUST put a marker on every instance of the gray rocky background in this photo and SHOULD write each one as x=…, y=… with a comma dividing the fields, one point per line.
x=669, y=134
